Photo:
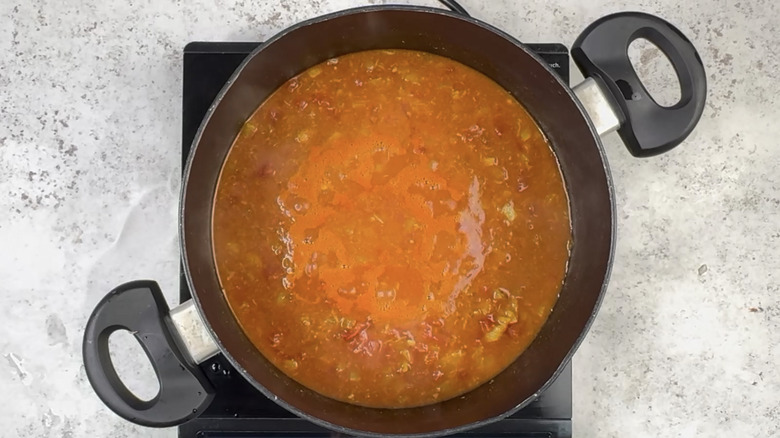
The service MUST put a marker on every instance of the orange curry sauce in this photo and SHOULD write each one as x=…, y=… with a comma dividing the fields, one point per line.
x=391, y=228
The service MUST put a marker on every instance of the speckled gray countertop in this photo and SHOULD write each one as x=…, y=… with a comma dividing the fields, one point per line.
x=687, y=342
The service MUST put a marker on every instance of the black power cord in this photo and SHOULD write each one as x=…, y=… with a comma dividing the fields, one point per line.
x=455, y=7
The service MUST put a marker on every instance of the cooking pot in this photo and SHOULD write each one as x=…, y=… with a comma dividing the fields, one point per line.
x=611, y=98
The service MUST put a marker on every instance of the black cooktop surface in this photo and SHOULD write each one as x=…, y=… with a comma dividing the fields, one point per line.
x=238, y=409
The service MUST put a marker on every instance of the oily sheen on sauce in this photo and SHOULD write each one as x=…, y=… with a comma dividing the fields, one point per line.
x=391, y=228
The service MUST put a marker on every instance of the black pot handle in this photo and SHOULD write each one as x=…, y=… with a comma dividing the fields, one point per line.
x=140, y=308
x=601, y=52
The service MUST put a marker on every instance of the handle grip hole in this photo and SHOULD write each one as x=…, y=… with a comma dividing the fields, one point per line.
x=132, y=365
x=655, y=71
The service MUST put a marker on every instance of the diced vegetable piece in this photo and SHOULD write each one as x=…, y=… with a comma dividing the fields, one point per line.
x=509, y=211
x=510, y=315
x=495, y=333
x=500, y=293
x=248, y=129
x=314, y=71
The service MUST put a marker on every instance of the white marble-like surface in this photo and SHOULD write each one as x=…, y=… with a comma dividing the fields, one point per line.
x=687, y=342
